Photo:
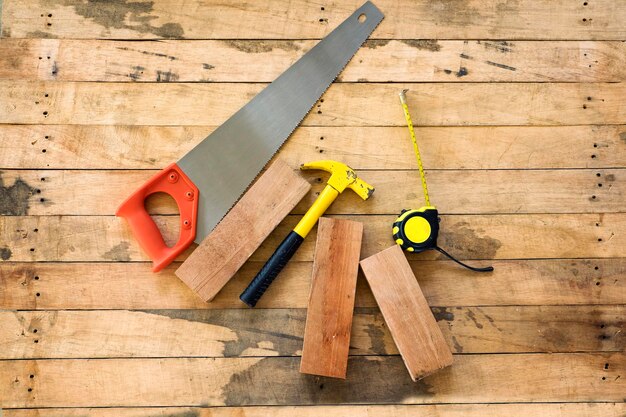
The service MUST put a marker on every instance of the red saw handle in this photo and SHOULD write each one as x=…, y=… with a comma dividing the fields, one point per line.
x=173, y=181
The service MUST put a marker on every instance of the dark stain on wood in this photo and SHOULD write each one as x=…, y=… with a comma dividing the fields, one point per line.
x=39, y=34
x=461, y=240
x=470, y=315
x=189, y=413
x=489, y=318
x=169, y=31
x=166, y=76
x=5, y=253
x=442, y=313
x=15, y=198
x=457, y=346
x=457, y=12
x=125, y=48
x=375, y=43
x=369, y=380
x=555, y=337
x=377, y=339
x=118, y=253
x=465, y=56
x=124, y=14
x=501, y=46
x=506, y=67
x=55, y=69
x=137, y=72
x=462, y=72
x=622, y=136
x=280, y=328
x=208, y=66
x=425, y=44
x=257, y=47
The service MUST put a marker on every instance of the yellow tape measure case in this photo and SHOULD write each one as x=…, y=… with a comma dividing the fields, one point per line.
x=416, y=230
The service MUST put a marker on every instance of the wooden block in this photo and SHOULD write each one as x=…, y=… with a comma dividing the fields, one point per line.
x=406, y=312
x=331, y=301
x=243, y=230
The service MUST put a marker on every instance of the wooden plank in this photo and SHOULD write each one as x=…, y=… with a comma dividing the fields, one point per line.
x=497, y=147
x=345, y=104
x=425, y=410
x=72, y=192
x=407, y=315
x=540, y=236
x=134, y=286
x=275, y=381
x=279, y=332
x=331, y=301
x=281, y=19
x=220, y=255
x=263, y=61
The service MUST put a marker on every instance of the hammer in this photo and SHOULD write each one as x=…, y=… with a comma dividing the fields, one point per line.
x=342, y=177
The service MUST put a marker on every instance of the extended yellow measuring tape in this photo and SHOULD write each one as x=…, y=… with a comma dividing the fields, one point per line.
x=416, y=230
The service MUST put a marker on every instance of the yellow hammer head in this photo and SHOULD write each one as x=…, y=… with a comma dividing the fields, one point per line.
x=342, y=177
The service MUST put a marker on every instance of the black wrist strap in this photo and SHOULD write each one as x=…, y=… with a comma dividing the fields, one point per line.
x=485, y=269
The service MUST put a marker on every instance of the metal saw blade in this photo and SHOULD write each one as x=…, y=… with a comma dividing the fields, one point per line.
x=224, y=164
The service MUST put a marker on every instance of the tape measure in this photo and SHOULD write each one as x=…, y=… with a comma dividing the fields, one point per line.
x=416, y=230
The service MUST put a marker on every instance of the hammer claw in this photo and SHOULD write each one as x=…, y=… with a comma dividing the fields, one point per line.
x=363, y=189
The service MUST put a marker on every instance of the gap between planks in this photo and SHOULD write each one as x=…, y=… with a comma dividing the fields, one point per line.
x=580, y=409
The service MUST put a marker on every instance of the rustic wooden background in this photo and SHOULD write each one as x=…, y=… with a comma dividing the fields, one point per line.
x=522, y=115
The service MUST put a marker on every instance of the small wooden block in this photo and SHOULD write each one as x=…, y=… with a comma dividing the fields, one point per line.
x=406, y=312
x=242, y=231
x=331, y=301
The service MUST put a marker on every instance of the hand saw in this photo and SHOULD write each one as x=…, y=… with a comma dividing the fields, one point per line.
x=208, y=181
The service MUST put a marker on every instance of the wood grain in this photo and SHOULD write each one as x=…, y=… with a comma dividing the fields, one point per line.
x=281, y=19
x=345, y=104
x=71, y=192
x=263, y=61
x=425, y=410
x=220, y=255
x=114, y=285
x=331, y=301
x=534, y=236
x=279, y=332
x=521, y=100
x=494, y=147
x=565, y=377
x=407, y=315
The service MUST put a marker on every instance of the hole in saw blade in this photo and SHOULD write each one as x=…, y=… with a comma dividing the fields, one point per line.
x=164, y=212
x=362, y=18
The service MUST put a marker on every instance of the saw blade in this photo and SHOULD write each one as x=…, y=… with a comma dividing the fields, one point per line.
x=224, y=164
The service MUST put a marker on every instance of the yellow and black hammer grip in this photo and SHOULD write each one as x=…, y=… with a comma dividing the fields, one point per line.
x=271, y=269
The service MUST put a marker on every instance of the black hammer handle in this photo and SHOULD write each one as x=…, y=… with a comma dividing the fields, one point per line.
x=271, y=269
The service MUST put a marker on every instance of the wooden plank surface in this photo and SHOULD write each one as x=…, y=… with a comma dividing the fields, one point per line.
x=279, y=332
x=220, y=255
x=426, y=410
x=72, y=192
x=281, y=19
x=407, y=315
x=327, y=334
x=564, y=377
x=113, y=285
x=518, y=102
x=493, y=147
x=263, y=61
x=525, y=236
x=345, y=104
